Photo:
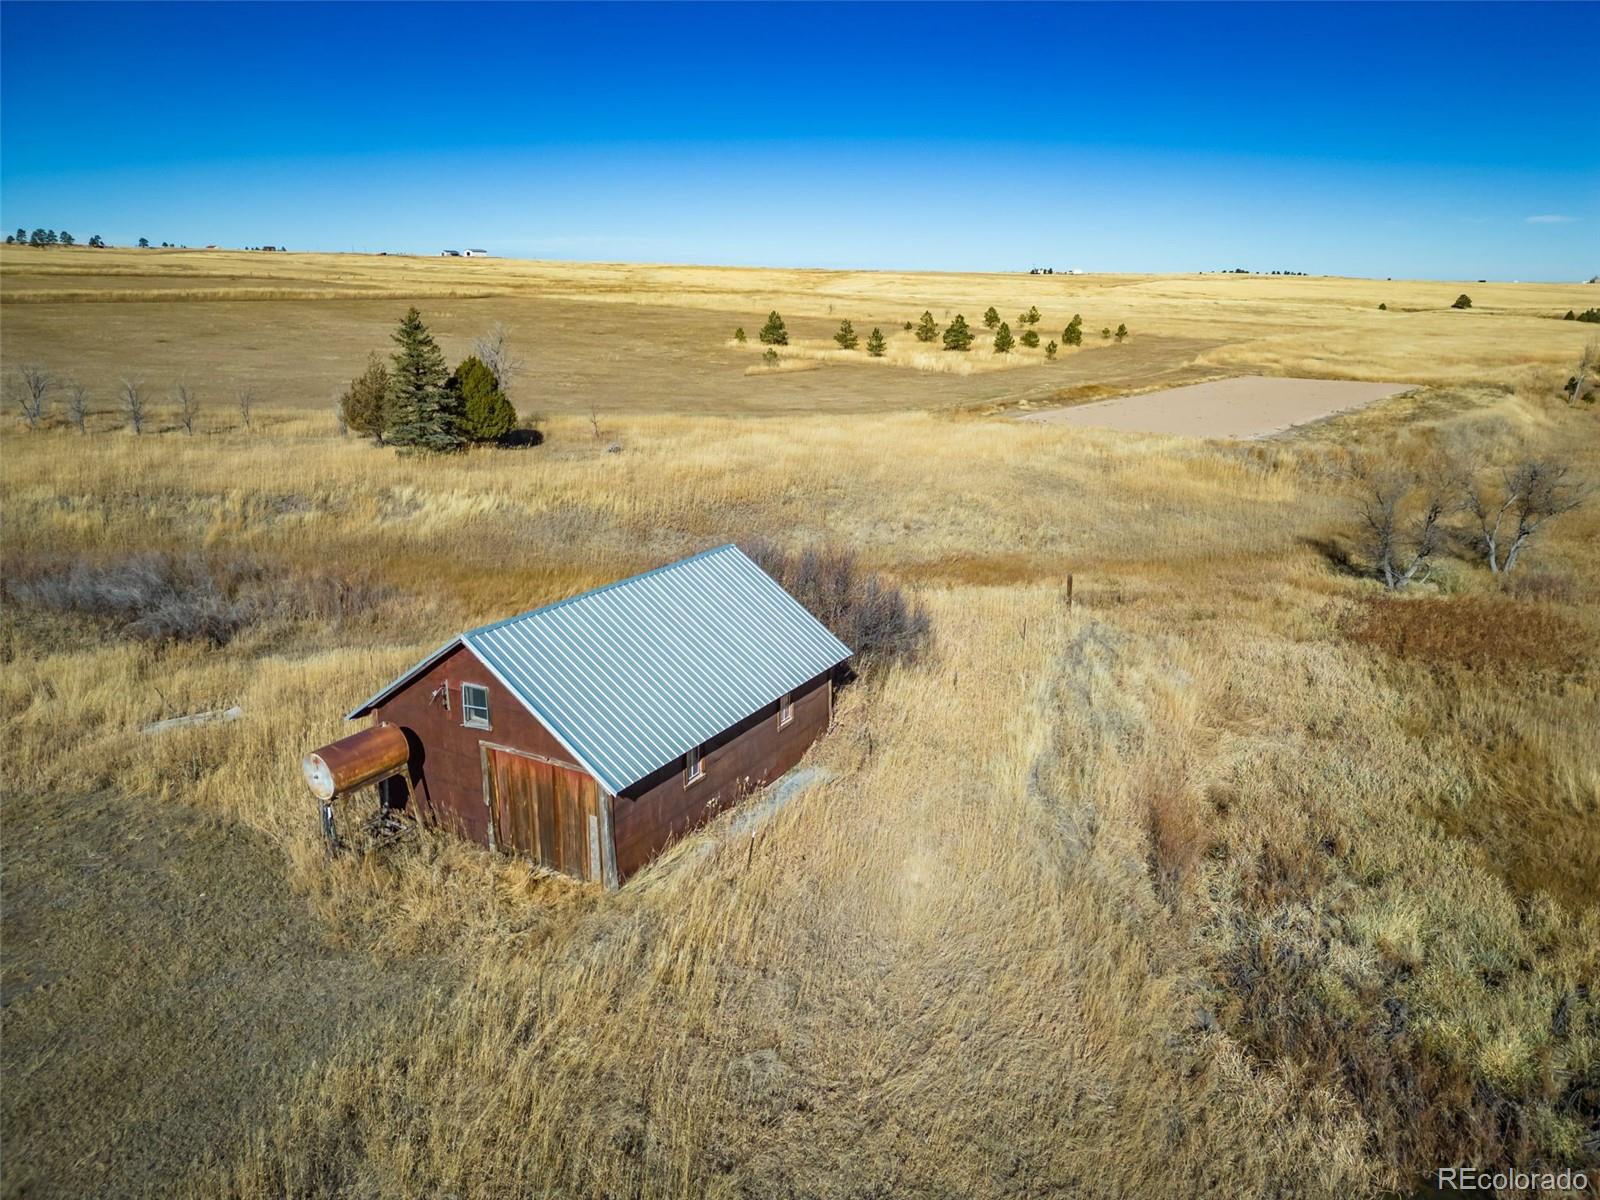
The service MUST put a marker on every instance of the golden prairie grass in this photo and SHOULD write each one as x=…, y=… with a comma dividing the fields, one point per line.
x=1180, y=883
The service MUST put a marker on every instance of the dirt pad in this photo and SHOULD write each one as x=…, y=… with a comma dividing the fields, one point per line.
x=1247, y=406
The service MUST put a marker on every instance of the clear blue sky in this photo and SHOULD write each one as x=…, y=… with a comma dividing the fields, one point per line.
x=1429, y=140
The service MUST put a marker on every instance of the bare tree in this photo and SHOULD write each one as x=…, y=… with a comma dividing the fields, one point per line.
x=1588, y=362
x=493, y=350
x=131, y=393
x=1508, y=515
x=188, y=407
x=32, y=392
x=594, y=421
x=78, y=406
x=246, y=398
x=1400, y=513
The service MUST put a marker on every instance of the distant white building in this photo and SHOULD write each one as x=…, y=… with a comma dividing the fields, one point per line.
x=476, y=253
x=449, y=254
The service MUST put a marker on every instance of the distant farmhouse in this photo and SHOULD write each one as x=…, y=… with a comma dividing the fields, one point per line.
x=463, y=254
x=477, y=253
x=449, y=254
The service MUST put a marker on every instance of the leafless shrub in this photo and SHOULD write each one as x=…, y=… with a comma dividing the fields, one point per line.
x=31, y=390
x=165, y=597
x=594, y=421
x=78, y=406
x=245, y=397
x=131, y=394
x=188, y=407
x=1400, y=513
x=1510, y=510
x=868, y=613
x=493, y=350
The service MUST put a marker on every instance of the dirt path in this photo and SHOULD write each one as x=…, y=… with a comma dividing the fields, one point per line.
x=1247, y=406
x=161, y=987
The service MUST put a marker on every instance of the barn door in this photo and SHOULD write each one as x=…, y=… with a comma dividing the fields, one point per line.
x=542, y=810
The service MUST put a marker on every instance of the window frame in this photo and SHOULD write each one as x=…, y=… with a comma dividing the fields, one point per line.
x=785, y=710
x=468, y=719
x=694, y=766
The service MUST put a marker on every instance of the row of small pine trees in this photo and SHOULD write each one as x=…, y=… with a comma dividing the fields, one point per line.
x=413, y=401
x=958, y=335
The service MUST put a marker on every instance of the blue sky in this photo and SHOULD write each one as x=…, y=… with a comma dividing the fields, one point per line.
x=1429, y=140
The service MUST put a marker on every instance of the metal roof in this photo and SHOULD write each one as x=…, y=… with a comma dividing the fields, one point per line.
x=635, y=674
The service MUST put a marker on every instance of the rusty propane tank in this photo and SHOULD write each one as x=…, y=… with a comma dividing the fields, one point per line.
x=355, y=761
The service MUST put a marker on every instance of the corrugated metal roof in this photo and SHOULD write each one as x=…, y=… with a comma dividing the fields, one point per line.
x=637, y=673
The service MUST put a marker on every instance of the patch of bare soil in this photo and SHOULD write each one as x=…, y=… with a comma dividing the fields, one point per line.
x=160, y=990
x=1246, y=406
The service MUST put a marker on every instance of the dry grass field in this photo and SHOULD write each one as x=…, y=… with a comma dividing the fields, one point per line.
x=1237, y=877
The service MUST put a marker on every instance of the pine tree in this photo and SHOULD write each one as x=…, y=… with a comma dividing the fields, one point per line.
x=1462, y=301
x=67, y=239
x=1031, y=317
x=1105, y=333
x=364, y=407
x=773, y=333
x=423, y=413
x=846, y=337
x=991, y=318
x=1050, y=351
x=1030, y=338
x=1385, y=308
x=486, y=414
x=738, y=335
x=958, y=336
x=1122, y=332
x=144, y=243
x=1072, y=335
x=927, y=329
x=22, y=235
x=1003, y=341
x=908, y=326
x=875, y=343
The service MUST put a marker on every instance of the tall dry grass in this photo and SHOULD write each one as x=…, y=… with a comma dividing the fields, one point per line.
x=1183, y=889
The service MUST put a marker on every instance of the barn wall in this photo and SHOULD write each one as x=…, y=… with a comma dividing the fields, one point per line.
x=659, y=808
x=447, y=770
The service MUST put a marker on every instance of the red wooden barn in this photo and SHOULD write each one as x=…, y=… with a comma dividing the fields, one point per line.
x=590, y=733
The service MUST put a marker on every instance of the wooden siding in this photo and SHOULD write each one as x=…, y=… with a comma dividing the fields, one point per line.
x=660, y=808
x=544, y=811
x=446, y=763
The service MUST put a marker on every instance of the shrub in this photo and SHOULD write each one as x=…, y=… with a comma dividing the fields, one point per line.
x=875, y=342
x=1003, y=341
x=1122, y=333
x=1031, y=317
x=774, y=332
x=864, y=610
x=364, y=407
x=1072, y=335
x=1462, y=301
x=907, y=327
x=1105, y=333
x=164, y=597
x=846, y=337
x=1030, y=338
x=959, y=335
x=486, y=414
x=991, y=318
x=1050, y=351
x=927, y=329
x=738, y=335
x=1383, y=308
x=769, y=356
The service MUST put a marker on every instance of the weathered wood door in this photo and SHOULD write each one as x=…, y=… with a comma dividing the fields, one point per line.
x=542, y=810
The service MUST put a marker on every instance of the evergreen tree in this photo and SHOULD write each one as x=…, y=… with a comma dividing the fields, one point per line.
x=1122, y=332
x=1031, y=317
x=36, y=238
x=959, y=335
x=1030, y=338
x=1050, y=351
x=1003, y=341
x=364, y=407
x=1072, y=335
x=486, y=414
x=773, y=333
x=846, y=337
x=738, y=335
x=875, y=342
x=927, y=329
x=144, y=243
x=1462, y=301
x=1571, y=315
x=1385, y=308
x=67, y=239
x=908, y=326
x=1105, y=333
x=423, y=412
x=991, y=318
x=10, y=241
x=22, y=235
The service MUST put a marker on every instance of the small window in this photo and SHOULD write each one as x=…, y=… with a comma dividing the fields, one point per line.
x=474, y=706
x=785, y=709
x=693, y=767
